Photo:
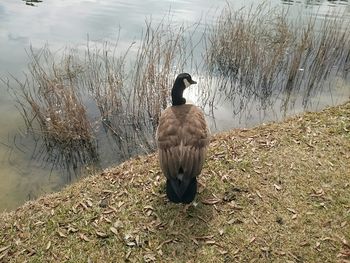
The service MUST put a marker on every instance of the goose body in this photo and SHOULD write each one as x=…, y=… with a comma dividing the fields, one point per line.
x=182, y=139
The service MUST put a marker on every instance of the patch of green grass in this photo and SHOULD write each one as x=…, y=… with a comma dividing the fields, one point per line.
x=275, y=193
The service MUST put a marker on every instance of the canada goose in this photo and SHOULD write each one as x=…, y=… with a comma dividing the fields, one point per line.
x=182, y=139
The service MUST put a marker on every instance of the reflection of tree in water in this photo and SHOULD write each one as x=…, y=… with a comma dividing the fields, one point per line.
x=246, y=64
x=32, y=2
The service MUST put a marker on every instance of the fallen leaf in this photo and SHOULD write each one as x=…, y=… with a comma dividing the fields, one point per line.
x=61, y=234
x=85, y=238
x=114, y=230
x=118, y=224
x=234, y=221
x=3, y=255
x=291, y=210
x=127, y=255
x=223, y=252
x=39, y=223
x=204, y=237
x=252, y=240
x=277, y=187
x=130, y=243
x=164, y=242
x=195, y=241
x=149, y=258
x=48, y=245
x=258, y=194
x=211, y=201
x=101, y=234
x=83, y=205
x=88, y=202
x=138, y=241
x=265, y=249
x=4, y=248
x=108, y=212
x=72, y=229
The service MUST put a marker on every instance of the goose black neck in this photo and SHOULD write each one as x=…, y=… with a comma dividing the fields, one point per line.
x=177, y=93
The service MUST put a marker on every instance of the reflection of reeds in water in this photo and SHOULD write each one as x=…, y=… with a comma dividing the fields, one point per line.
x=51, y=107
x=260, y=52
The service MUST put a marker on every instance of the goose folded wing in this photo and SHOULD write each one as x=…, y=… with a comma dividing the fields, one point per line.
x=182, y=142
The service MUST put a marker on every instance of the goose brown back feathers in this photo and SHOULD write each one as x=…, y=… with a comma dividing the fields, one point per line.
x=182, y=139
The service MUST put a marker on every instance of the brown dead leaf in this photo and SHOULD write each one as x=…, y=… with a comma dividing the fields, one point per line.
x=234, y=221
x=138, y=240
x=61, y=234
x=223, y=252
x=3, y=255
x=252, y=240
x=4, y=248
x=83, y=237
x=277, y=187
x=120, y=204
x=130, y=243
x=345, y=242
x=39, y=223
x=164, y=242
x=211, y=201
x=48, y=245
x=72, y=229
x=83, y=205
x=108, y=212
x=118, y=224
x=127, y=255
x=113, y=208
x=258, y=194
x=265, y=249
x=149, y=258
x=101, y=234
x=291, y=210
x=204, y=237
x=114, y=230
x=88, y=202
x=31, y=252
x=74, y=209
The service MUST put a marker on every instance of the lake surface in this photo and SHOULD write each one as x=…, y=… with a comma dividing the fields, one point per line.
x=63, y=23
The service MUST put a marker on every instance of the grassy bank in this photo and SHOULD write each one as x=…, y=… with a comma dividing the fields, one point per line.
x=275, y=193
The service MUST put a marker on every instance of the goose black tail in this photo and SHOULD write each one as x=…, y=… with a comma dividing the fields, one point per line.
x=172, y=190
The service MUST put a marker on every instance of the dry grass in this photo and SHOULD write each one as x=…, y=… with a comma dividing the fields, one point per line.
x=264, y=52
x=51, y=105
x=275, y=193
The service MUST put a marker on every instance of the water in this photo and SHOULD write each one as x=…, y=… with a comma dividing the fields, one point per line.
x=70, y=23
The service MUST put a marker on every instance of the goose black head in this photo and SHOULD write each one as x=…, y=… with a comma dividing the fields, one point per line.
x=182, y=81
